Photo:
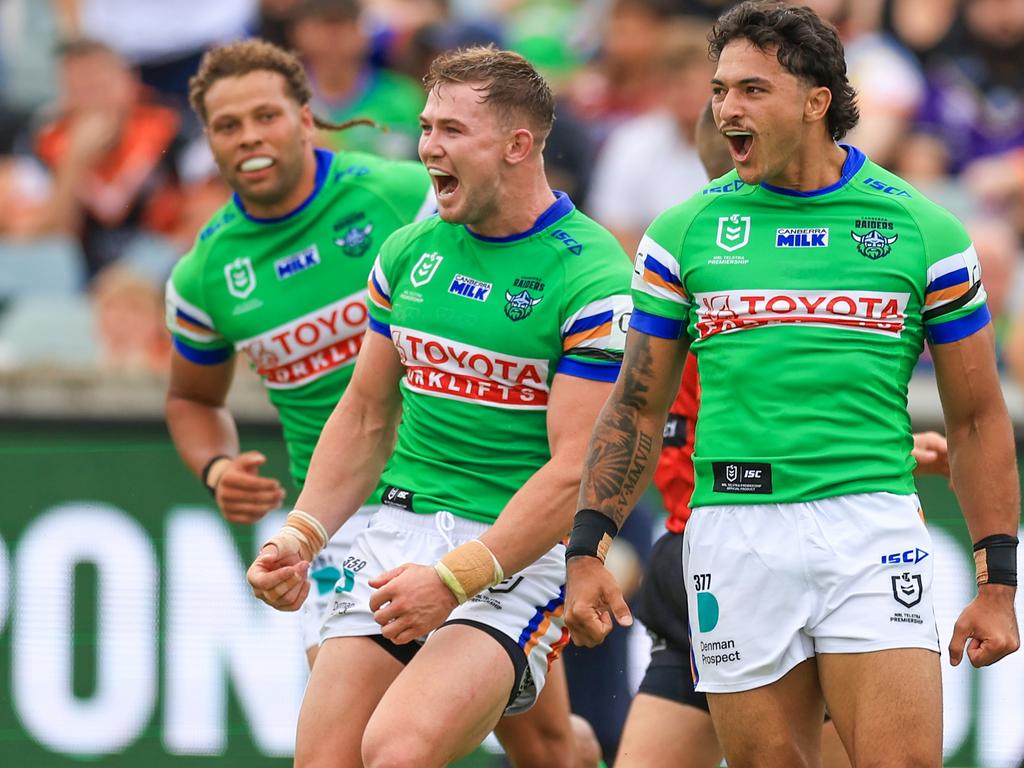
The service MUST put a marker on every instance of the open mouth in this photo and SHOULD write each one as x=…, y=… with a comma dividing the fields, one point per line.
x=740, y=143
x=255, y=164
x=444, y=183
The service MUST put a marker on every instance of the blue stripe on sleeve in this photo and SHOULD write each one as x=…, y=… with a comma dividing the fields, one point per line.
x=380, y=290
x=586, y=323
x=202, y=356
x=588, y=370
x=656, y=325
x=955, y=277
x=194, y=320
x=961, y=328
x=382, y=328
x=661, y=270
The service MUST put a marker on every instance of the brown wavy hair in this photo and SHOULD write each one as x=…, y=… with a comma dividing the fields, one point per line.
x=805, y=45
x=245, y=56
x=506, y=80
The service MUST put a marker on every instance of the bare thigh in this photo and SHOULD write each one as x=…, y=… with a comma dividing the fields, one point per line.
x=349, y=678
x=544, y=736
x=661, y=733
x=774, y=726
x=443, y=703
x=886, y=705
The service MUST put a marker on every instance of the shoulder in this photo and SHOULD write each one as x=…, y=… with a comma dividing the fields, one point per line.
x=225, y=221
x=934, y=221
x=425, y=233
x=377, y=175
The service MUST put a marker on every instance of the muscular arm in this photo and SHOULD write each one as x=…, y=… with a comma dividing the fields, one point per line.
x=358, y=437
x=200, y=424
x=981, y=448
x=627, y=437
x=540, y=513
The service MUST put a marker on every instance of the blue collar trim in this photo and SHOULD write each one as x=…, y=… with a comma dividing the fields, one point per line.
x=855, y=160
x=561, y=207
x=323, y=165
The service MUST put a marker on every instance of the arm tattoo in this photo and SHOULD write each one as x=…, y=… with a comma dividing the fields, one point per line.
x=620, y=451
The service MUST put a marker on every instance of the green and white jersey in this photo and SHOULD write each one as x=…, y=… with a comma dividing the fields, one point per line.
x=807, y=312
x=290, y=292
x=482, y=326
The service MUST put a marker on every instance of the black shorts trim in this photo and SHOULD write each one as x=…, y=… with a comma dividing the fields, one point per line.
x=669, y=676
x=515, y=653
x=403, y=653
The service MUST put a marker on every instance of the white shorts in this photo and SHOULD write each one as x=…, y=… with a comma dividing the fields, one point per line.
x=770, y=585
x=324, y=572
x=523, y=613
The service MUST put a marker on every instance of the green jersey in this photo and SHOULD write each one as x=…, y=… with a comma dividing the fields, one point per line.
x=483, y=326
x=290, y=292
x=807, y=312
x=392, y=100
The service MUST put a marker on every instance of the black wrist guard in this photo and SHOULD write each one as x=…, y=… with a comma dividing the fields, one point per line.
x=995, y=560
x=205, y=475
x=592, y=534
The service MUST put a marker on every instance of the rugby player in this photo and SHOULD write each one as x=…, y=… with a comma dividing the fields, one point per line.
x=279, y=273
x=806, y=282
x=496, y=330
x=666, y=701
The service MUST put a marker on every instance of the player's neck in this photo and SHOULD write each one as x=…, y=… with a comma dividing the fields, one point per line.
x=520, y=203
x=298, y=195
x=815, y=165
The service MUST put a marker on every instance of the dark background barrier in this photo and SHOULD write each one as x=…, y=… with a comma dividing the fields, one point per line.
x=128, y=636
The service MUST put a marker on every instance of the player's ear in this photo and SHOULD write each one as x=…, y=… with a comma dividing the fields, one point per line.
x=307, y=121
x=817, y=103
x=519, y=146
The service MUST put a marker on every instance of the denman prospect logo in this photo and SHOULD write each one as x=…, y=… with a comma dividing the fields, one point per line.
x=733, y=232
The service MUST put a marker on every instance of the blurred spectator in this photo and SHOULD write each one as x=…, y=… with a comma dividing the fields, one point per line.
x=650, y=163
x=999, y=250
x=924, y=27
x=128, y=315
x=333, y=45
x=163, y=38
x=887, y=78
x=974, y=103
x=274, y=21
x=112, y=164
x=621, y=82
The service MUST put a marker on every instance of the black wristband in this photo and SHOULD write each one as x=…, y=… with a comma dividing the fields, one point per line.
x=592, y=534
x=205, y=474
x=995, y=560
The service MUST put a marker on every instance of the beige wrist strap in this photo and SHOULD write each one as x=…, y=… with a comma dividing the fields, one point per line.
x=469, y=569
x=307, y=530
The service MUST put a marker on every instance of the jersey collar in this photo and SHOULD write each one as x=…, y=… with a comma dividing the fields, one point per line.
x=561, y=207
x=855, y=160
x=323, y=165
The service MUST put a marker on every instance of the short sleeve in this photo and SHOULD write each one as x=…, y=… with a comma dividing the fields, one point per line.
x=954, y=300
x=596, y=316
x=661, y=302
x=195, y=336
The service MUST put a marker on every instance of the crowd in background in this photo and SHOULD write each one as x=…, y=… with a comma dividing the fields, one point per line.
x=105, y=177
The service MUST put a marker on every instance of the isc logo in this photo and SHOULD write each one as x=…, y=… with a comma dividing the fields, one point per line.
x=907, y=556
x=752, y=474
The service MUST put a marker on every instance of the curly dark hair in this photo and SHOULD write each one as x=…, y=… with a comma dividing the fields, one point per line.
x=806, y=46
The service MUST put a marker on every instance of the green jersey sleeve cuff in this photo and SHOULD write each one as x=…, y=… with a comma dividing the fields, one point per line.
x=213, y=356
x=588, y=369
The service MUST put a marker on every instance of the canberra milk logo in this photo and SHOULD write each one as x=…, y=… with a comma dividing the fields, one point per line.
x=470, y=288
x=241, y=277
x=815, y=237
x=733, y=232
x=297, y=262
x=425, y=268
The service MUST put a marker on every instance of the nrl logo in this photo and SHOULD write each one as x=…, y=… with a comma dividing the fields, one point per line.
x=519, y=306
x=907, y=589
x=241, y=277
x=874, y=244
x=425, y=269
x=733, y=232
x=356, y=241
